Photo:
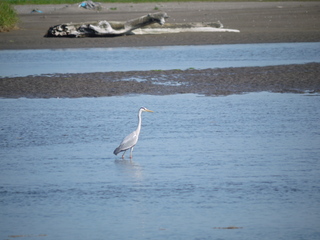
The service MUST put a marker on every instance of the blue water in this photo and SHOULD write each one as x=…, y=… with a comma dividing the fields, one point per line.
x=48, y=61
x=202, y=164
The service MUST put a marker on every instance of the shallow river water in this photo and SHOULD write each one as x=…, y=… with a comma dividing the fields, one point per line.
x=202, y=165
x=50, y=61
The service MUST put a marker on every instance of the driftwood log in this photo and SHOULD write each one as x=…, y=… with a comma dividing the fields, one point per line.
x=183, y=27
x=153, y=23
x=105, y=28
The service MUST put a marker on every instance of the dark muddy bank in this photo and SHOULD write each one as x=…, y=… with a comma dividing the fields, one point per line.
x=285, y=78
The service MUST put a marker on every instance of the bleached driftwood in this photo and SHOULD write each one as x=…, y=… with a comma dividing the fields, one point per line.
x=183, y=27
x=153, y=23
x=105, y=28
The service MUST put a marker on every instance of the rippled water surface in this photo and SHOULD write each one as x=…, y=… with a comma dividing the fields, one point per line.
x=47, y=61
x=202, y=164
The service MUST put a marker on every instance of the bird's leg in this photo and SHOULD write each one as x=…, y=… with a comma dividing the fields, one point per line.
x=131, y=150
x=123, y=154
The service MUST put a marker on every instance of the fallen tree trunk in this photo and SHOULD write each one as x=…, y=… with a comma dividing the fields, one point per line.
x=153, y=23
x=105, y=28
x=183, y=27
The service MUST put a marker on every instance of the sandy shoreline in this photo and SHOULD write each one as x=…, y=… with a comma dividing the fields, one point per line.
x=258, y=22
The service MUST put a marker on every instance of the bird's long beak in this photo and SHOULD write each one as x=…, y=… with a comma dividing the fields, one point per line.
x=147, y=110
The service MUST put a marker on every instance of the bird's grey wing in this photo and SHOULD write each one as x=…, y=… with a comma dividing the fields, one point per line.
x=128, y=142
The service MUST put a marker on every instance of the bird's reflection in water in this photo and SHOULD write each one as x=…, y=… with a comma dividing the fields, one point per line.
x=130, y=168
x=132, y=181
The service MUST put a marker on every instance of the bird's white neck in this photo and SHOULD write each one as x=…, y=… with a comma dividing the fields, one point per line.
x=139, y=121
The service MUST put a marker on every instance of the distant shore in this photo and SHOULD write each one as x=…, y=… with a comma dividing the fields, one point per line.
x=258, y=22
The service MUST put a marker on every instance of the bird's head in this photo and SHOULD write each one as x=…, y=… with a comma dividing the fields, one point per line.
x=145, y=109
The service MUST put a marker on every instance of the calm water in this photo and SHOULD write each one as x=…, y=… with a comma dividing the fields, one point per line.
x=46, y=61
x=202, y=163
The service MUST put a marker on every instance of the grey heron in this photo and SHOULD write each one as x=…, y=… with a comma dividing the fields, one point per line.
x=131, y=140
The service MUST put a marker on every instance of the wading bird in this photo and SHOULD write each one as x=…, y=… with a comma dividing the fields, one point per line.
x=131, y=140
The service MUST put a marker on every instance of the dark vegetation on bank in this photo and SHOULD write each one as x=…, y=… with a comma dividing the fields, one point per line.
x=8, y=17
x=20, y=2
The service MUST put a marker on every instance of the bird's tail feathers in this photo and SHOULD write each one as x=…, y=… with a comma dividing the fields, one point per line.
x=116, y=151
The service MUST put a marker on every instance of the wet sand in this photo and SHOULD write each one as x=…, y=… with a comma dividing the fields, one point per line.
x=288, y=78
x=258, y=22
